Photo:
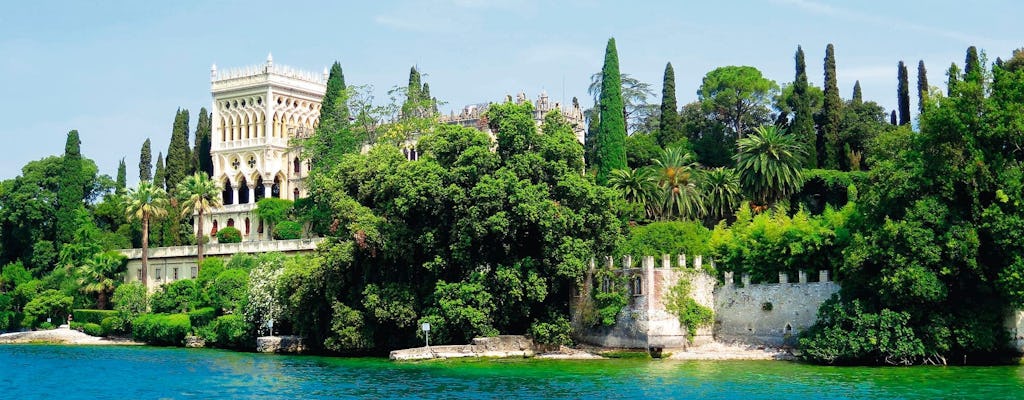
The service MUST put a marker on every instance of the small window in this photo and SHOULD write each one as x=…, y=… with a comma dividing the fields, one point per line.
x=638, y=289
x=175, y=274
x=195, y=272
x=158, y=273
x=606, y=284
x=138, y=274
x=247, y=227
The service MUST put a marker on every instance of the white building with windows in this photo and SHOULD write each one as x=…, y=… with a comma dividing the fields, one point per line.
x=256, y=113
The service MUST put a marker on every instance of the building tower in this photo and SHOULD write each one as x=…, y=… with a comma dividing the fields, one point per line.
x=256, y=113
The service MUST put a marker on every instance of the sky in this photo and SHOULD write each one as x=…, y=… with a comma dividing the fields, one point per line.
x=118, y=70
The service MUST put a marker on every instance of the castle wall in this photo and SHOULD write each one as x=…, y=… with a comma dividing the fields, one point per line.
x=771, y=314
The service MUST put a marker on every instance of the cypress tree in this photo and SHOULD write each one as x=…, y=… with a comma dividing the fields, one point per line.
x=972, y=66
x=70, y=190
x=922, y=86
x=179, y=158
x=160, y=176
x=329, y=110
x=803, y=121
x=201, y=155
x=670, y=126
x=122, y=176
x=611, y=135
x=903, y=93
x=858, y=97
x=415, y=85
x=828, y=145
x=146, y=162
x=892, y=118
x=332, y=138
x=953, y=78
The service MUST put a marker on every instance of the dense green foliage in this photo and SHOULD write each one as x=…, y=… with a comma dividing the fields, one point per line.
x=146, y=161
x=611, y=136
x=161, y=329
x=769, y=164
x=802, y=105
x=691, y=314
x=71, y=189
x=666, y=237
x=201, y=153
x=670, y=128
x=286, y=230
x=91, y=316
x=179, y=155
x=738, y=97
x=828, y=133
x=922, y=86
x=229, y=234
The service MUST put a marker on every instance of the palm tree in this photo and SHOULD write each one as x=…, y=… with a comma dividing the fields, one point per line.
x=721, y=188
x=198, y=194
x=144, y=203
x=676, y=176
x=100, y=275
x=637, y=186
x=769, y=163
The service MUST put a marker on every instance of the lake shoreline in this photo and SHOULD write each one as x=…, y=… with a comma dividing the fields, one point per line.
x=64, y=336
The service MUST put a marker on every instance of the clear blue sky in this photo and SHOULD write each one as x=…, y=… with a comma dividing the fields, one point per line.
x=117, y=70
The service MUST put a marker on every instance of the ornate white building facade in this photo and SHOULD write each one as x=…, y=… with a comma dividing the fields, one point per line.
x=256, y=113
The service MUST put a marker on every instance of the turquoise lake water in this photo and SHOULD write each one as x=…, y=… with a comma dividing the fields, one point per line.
x=83, y=372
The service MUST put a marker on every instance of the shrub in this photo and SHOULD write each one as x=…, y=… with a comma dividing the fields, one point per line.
x=556, y=331
x=286, y=230
x=114, y=325
x=49, y=303
x=92, y=329
x=177, y=296
x=44, y=326
x=209, y=269
x=227, y=292
x=91, y=316
x=241, y=261
x=230, y=331
x=161, y=329
x=202, y=316
x=130, y=300
x=666, y=237
x=229, y=235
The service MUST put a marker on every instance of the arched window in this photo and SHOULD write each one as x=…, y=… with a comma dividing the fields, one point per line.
x=247, y=227
x=243, y=192
x=214, y=230
x=297, y=166
x=259, y=228
x=228, y=194
x=231, y=222
x=295, y=194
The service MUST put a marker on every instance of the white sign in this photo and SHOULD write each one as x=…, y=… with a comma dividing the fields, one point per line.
x=426, y=327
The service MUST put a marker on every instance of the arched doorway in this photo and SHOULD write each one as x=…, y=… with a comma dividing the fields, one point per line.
x=259, y=188
x=275, y=191
x=228, y=194
x=243, y=192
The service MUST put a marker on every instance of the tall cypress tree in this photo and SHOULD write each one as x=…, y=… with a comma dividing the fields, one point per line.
x=903, y=93
x=803, y=121
x=922, y=86
x=332, y=137
x=122, y=176
x=70, y=190
x=611, y=135
x=828, y=146
x=201, y=155
x=146, y=162
x=160, y=176
x=330, y=112
x=953, y=78
x=972, y=66
x=858, y=96
x=179, y=157
x=670, y=126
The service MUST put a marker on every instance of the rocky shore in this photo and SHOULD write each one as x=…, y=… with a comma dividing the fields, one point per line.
x=61, y=336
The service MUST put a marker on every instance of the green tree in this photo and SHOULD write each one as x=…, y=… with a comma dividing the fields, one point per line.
x=638, y=186
x=160, y=176
x=130, y=300
x=952, y=79
x=676, y=171
x=722, y=192
x=802, y=104
x=738, y=97
x=72, y=189
x=198, y=194
x=49, y=303
x=335, y=135
x=146, y=162
x=611, y=136
x=273, y=210
x=670, y=128
x=922, y=86
x=858, y=96
x=100, y=274
x=122, y=177
x=179, y=158
x=145, y=203
x=972, y=66
x=903, y=94
x=201, y=153
x=828, y=146
x=768, y=162
x=637, y=112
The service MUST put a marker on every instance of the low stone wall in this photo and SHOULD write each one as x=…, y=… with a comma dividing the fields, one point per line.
x=280, y=344
x=1015, y=326
x=498, y=346
x=770, y=314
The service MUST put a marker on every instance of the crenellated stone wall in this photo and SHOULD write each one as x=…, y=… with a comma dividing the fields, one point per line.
x=757, y=314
